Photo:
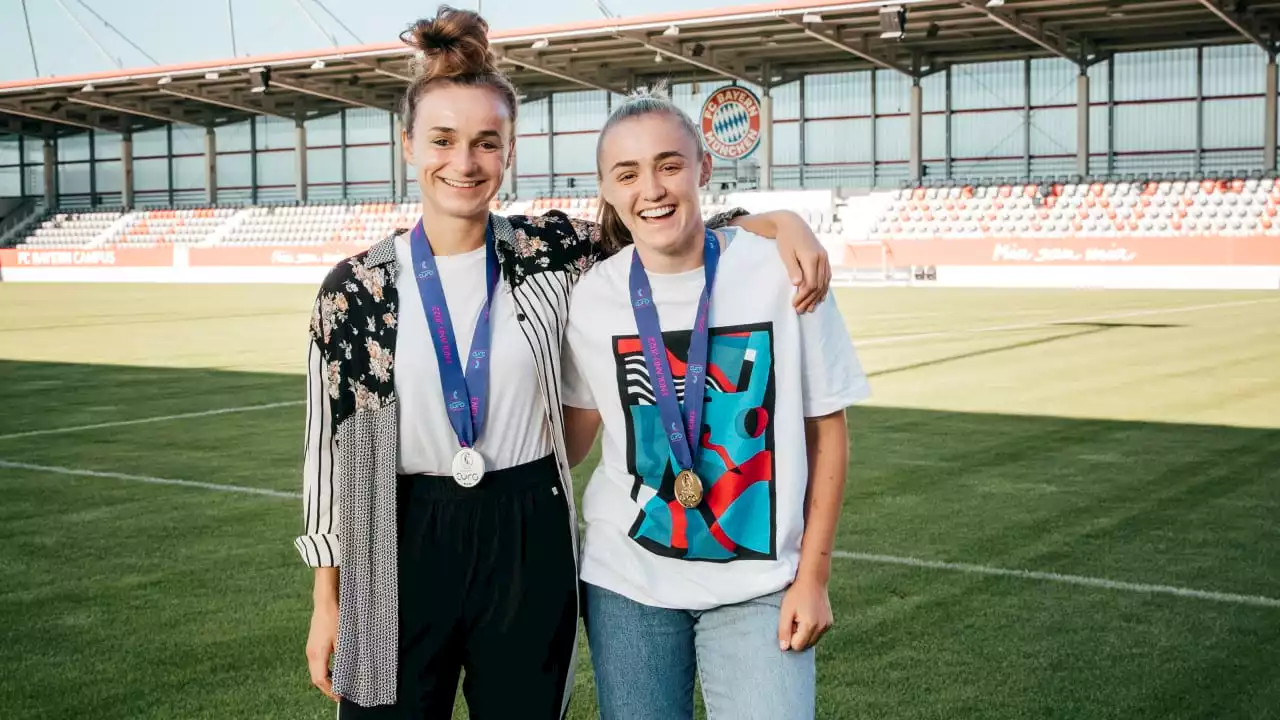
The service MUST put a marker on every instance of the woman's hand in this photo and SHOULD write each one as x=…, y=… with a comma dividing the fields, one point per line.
x=320, y=644
x=806, y=615
x=323, y=637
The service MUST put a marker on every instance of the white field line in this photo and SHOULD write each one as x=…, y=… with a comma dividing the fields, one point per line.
x=1230, y=598
x=157, y=418
x=148, y=479
x=887, y=340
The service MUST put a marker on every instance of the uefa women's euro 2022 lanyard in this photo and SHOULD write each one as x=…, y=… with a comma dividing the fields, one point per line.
x=685, y=437
x=465, y=383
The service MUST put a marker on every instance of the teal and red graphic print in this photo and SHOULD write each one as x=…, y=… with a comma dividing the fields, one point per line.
x=737, y=517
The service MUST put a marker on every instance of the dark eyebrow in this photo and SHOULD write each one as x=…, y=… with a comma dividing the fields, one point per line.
x=656, y=158
x=450, y=131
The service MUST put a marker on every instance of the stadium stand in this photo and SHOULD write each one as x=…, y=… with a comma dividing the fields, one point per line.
x=318, y=224
x=1168, y=99
x=1170, y=205
x=155, y=227
x=267, y=225
x=64, y=230
x=581, y=207
x=587, y=207
x=1178, y=207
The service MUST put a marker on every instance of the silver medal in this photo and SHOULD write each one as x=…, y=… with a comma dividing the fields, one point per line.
x=468, y=467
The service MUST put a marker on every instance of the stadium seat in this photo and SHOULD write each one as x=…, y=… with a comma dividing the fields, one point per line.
x=68, y=230
x=1153, y=205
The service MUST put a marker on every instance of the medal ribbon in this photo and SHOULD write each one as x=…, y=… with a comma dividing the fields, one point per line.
x=465, y=384
x=683, y=437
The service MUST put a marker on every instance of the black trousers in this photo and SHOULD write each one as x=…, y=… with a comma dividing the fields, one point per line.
x=487, y=585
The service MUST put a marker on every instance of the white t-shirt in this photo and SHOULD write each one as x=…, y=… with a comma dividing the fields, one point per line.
x=515, y=429
x=768, y=369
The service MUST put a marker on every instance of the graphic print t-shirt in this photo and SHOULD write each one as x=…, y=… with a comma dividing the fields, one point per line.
x=767, y=370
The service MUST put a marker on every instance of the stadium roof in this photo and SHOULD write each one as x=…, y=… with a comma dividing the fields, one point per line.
x=761, y=44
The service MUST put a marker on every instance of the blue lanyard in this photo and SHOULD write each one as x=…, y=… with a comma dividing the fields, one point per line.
x=685, y=437
x=465, y=384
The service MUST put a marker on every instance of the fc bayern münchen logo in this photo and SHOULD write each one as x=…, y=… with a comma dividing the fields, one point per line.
x=731, y=122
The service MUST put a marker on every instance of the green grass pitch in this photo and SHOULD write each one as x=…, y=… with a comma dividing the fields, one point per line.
x=1129, y=437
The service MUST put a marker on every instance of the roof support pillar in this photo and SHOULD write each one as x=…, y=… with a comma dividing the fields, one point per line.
x=802, y=129
x=766, y=141
x=399, y=169
x=50, y=173
x=22, y=165
x=917, y=131
x=210, y=166
x=551, y=144
x=1082, y=122
x=126, y=169
x=1199, y=157
x=1269, y=122
x=875, y=130
x=300, y=158
x=947, y=124
x=1026, y=118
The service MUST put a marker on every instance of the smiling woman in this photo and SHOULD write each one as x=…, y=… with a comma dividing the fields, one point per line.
x=711, y=517
x=635, y=193
x=438, y=504
x=460, y=141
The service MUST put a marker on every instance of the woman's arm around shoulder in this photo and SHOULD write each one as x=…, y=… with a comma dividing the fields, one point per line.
x=802, y=253
x=556, y=241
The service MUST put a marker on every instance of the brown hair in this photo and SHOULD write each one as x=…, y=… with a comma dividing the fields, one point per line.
x=614, y=234
x=452, y=47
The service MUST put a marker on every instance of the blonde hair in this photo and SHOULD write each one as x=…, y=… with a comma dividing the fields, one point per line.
x=654, y=100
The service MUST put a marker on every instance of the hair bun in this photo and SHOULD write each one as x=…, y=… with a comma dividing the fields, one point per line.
x=659, y=90
x=452, y=44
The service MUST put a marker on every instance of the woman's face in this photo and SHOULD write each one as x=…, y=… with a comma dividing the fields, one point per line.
x=651, y=171
x=461, y=146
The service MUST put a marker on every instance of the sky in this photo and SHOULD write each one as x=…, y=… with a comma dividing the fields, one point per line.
x=175, y=31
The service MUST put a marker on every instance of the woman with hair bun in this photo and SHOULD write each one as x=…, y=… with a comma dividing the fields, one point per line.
x=438, y=503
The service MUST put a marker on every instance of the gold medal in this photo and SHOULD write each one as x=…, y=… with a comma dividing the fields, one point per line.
x=688, y=489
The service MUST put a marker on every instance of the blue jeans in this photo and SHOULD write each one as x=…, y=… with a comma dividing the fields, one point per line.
x=645, y=658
